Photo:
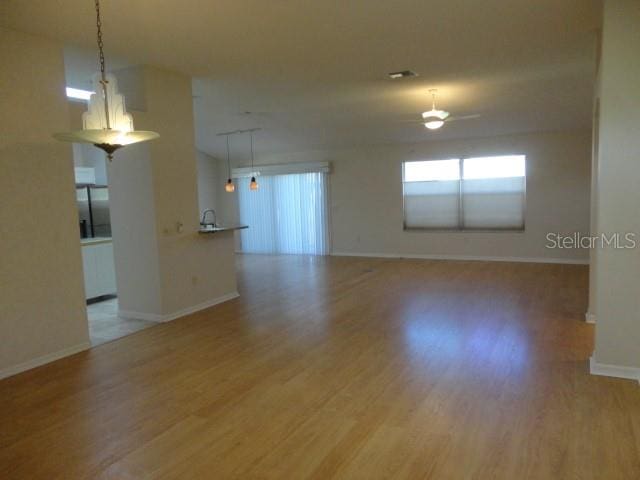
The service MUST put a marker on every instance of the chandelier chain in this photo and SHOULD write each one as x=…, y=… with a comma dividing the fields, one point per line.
x=100, y=43
x=103, y=79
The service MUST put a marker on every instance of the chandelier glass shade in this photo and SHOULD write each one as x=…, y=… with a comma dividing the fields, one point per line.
x=109, y=135
x=106, y=123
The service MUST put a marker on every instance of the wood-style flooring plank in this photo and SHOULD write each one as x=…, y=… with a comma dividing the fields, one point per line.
x=345, y=368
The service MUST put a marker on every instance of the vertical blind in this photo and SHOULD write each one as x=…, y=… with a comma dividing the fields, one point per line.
x=287, y=214
x=470, y=193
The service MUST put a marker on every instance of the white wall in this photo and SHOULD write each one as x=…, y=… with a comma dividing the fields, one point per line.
x=593, y=216
x=86, y=155
x=208, y=182
x=212, y=177
x=617, y=307
x=366, y=197
x=42, y=306
x=133, y=228
x=194, y=268
x=161, y=268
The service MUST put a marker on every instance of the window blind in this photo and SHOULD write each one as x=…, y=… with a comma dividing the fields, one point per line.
x=287, y=214
x=481, y=193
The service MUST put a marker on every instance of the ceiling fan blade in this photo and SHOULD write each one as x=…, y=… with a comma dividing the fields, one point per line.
x=417, y=122
x=462, y=117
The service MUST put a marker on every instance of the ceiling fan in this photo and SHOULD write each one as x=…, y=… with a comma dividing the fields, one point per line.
x=434, y=118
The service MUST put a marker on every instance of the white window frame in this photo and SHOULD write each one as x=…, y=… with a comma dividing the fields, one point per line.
x=461, y=227
x=281, y=169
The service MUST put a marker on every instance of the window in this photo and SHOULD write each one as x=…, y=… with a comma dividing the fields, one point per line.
x=287, y=214
x=79, y=94
x=481, y=193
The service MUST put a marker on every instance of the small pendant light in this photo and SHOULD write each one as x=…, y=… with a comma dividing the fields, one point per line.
x=253, y=185
x=229, y=187
x=106, y=123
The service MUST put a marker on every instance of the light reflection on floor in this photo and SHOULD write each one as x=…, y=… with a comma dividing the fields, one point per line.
x=488, y=346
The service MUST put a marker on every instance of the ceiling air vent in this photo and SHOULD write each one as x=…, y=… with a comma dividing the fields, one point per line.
x=402, y=74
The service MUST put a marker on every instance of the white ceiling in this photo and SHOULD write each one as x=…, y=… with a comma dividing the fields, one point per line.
x=314, y=71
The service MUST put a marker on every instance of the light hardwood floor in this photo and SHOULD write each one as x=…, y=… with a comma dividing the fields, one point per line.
x=346, y=368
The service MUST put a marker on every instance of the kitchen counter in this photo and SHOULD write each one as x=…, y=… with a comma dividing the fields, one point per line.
x=221, y=228
x=94, y=241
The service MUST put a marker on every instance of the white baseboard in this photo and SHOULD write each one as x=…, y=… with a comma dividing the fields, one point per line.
x=632, y=373
x=568, y=261
x=589, y=317
x=155, y=317
x=36, y=362
x=133, y=315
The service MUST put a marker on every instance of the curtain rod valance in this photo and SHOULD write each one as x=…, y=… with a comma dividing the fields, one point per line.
x=284, y=169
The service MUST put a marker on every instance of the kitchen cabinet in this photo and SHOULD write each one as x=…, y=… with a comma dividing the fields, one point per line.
x=99, y=269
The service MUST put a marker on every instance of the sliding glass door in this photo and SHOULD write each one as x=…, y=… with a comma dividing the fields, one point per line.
x=287, y=214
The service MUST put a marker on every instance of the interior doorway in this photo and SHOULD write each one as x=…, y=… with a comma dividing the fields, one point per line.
x=98, y=263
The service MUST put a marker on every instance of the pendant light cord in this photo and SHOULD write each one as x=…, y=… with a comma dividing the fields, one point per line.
x=251, y=136
x=228, y=159
x=103, y=75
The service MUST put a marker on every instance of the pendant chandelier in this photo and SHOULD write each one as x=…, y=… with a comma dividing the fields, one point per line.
x=106, y=123
x=229, y=187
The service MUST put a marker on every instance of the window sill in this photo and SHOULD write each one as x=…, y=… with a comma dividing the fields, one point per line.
x=463, y=230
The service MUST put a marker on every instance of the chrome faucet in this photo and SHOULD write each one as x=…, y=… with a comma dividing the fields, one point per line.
x=204, y=218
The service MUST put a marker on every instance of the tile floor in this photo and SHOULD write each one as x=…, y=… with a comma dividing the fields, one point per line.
x=105, y=325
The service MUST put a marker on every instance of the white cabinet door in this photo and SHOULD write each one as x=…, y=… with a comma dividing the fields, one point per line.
x=99, y=270
x=106, y=273
x=89, y=267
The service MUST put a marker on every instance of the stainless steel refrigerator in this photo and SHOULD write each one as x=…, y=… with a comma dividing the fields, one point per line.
x=93, y=210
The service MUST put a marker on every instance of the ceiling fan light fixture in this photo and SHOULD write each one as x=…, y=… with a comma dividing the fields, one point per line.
x=439, y=114
x=434, y=119
x=434, y=124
